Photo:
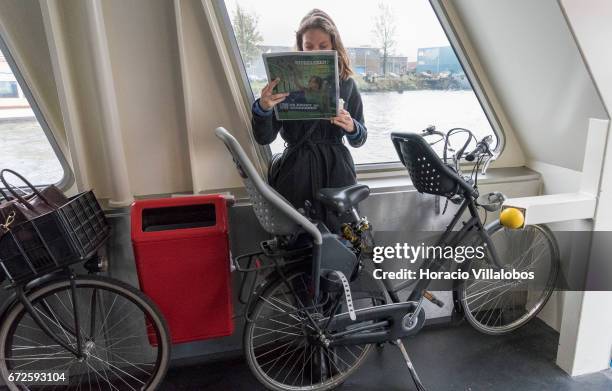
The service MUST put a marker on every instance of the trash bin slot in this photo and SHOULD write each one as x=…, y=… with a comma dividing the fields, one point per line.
x=178, y=217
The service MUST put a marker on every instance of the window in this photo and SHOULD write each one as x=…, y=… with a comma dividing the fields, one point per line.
x=418, y=82
x=24, y=145
x=8, y=89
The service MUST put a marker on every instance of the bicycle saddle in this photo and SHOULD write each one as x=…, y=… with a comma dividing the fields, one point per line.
x=343, y=199
x=428, y=172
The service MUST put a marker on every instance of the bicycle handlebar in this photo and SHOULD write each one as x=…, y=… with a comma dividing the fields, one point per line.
x=430, y=131
x=481, y=147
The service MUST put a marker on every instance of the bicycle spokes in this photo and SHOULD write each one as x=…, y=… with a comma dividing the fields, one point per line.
x=286, y=350
x=117, y=350
x=497, y=305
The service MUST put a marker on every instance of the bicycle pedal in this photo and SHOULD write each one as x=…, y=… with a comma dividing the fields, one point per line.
x=430, y=296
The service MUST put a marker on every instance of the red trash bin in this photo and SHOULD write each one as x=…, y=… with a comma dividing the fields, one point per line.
x=182, y=257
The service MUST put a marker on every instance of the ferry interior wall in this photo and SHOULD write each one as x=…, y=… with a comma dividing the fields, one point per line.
x=435, y=214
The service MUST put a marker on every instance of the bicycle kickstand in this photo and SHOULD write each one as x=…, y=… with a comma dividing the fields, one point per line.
x=413, y=374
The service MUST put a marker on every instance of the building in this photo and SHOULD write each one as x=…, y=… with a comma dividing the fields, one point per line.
x=438, y=59
x=11, y=95
x=365, y=60
x=257, y=71
x=8, y=84
x=397, y=65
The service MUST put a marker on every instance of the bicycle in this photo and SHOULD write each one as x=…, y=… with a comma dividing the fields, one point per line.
x=477, y=298
x=305, y=327
x=63, y=330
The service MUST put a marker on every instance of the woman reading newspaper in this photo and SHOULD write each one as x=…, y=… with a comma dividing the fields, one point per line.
x=315, y=156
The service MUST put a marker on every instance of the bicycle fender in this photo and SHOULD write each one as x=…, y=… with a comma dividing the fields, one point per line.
x=270, y=279
x=7, y=305
x=489, y=227
x=249, y=306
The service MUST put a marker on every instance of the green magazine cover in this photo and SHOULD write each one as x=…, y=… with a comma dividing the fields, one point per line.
x=310, y=78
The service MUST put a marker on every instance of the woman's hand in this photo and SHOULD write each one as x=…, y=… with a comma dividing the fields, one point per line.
x=344, y=120
x=268, y=100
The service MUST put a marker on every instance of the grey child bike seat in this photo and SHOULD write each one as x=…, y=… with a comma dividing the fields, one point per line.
x=278, y=217
x=275, y=214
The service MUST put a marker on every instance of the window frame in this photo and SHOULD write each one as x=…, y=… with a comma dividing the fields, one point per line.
x=454, y=40
x=67, y=179
x=472, y=76
x=264, y=152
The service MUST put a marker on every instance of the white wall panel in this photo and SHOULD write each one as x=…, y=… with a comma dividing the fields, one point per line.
x=208, y=100
x=586, y=341
x=534, y=65
x=143, y=47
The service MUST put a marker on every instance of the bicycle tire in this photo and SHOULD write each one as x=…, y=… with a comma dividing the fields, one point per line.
x=256, y=366
x=470, y=309
x=112, y=361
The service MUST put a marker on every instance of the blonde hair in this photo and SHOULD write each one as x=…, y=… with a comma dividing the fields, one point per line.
x=317, y=19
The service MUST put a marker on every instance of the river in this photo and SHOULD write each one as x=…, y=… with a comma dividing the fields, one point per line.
x=412, y=111
x=23, y=145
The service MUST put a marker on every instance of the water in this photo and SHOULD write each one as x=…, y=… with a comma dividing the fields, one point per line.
x=24, y=147
x=412, y=111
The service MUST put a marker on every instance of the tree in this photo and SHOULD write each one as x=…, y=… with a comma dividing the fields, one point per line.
x=245, y=27
x=384, y=32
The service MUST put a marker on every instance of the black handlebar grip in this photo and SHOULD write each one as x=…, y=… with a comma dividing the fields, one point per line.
x=481, y=147
x=472, y=155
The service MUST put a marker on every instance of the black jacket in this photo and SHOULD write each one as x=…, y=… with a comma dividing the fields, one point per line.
x=315, y=156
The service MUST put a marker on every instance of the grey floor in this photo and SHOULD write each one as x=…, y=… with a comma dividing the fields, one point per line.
x=450, y=357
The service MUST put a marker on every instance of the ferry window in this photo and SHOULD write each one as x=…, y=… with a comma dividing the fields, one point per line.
x=24, y=145
x=407, y=72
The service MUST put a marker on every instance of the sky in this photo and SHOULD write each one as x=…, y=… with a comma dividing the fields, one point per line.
x=416, y=24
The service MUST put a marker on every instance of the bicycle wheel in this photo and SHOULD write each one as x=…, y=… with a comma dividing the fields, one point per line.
x=499, y=306
x=125, y=341
x=282, y=348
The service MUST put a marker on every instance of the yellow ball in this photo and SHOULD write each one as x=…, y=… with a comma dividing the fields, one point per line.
x=511, y=218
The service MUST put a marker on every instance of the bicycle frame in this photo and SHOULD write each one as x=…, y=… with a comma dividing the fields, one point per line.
x=396, y=310
x=453, y=238
x=450, y=237
x=378, y=330
x=317, y=315
x=393, y=320
x=21, y=297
